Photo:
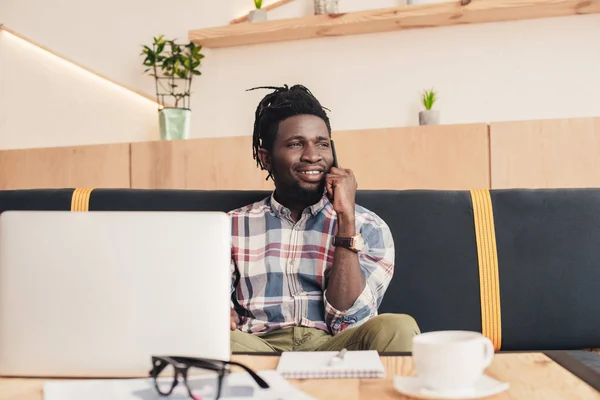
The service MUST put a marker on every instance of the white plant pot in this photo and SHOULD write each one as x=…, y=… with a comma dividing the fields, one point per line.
x=258, y=15
x=429, y=117
x=327, y=7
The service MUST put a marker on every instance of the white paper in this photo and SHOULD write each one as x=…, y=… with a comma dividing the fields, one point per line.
x=316, y=365
x=236, y=386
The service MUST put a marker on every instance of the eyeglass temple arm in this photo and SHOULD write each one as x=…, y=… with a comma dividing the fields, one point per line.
x=258, y=379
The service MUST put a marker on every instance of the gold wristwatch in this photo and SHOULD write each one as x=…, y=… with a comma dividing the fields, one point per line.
x=354, y=243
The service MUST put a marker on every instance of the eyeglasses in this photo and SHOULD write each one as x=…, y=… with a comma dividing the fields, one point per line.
x=167, y=369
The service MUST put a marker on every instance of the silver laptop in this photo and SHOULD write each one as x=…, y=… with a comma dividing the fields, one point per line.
x=95, y=294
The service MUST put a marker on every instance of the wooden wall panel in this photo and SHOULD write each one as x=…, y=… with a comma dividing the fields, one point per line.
x=434, y=157
x=101, y=166
x=210, y=164
x=444, y=157
x=561, y=153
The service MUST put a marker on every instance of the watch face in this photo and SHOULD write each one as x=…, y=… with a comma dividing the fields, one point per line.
x=359, y=243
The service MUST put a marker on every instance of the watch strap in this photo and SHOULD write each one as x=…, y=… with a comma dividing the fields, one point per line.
x=345, y=242
x=340, y=241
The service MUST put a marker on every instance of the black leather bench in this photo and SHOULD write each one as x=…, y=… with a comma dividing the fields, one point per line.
x=527, y=273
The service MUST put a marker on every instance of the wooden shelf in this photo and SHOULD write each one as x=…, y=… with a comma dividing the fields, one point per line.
x=389, y=19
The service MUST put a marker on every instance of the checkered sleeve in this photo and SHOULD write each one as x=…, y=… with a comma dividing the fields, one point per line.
x=241, y=318
x=233, y=276
x=377, y=264
x=235, y=219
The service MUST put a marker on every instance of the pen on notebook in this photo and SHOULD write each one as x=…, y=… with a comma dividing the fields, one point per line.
x=338, y=358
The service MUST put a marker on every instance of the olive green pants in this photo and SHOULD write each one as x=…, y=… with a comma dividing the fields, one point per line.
x=384, y=333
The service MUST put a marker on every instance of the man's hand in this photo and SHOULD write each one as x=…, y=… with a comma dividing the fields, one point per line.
x=234, y=320
x=341, y=188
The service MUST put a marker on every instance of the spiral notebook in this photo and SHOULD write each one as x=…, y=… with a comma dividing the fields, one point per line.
x=315, y=365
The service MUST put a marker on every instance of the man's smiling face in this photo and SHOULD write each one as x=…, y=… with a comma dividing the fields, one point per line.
x=301, y=157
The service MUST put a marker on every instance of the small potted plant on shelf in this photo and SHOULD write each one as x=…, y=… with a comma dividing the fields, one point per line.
x=258, y=14
x=429, y=116
x=173, y=67
x=327, y=7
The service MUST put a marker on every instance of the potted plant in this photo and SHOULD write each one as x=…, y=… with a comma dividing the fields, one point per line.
x=173, y=67
x=429, y=116
x=327, y=7
x=258, y=14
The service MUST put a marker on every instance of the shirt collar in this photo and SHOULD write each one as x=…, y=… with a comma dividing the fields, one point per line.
x=282, y=211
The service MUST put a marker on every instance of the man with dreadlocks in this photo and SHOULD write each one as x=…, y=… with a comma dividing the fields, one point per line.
x=310, y=267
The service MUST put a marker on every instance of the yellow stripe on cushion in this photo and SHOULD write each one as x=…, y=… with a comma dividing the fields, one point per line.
x=74, y=199
x=487, y=255
x=80, y=201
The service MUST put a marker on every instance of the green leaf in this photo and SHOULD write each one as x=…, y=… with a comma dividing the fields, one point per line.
x=174, y=61
x=429, y=98
x=258, y=3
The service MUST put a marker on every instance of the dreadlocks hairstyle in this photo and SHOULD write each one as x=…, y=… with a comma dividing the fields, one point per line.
x=282, y=103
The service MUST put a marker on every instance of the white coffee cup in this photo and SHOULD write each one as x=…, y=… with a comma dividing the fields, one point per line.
x=447, y=361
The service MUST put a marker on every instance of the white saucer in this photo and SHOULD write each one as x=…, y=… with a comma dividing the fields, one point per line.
x=485, y=387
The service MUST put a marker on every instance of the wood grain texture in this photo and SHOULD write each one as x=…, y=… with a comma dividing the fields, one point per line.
x=445, y=157
x=562, y=153
x=433, y=157
x=532, y=376
x=101, y=166
x=209, y=164
x=389, y=19
x=268, y=7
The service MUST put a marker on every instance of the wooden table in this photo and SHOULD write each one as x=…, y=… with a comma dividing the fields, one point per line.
x=531, y=375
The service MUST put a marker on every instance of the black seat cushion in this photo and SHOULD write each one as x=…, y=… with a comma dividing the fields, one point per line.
x=547, y=240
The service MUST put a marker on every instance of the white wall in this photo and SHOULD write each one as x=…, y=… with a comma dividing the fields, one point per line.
x=493, y=72
x=46, y=102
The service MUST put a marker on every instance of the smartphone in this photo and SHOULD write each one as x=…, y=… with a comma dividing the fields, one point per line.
x=335, y=161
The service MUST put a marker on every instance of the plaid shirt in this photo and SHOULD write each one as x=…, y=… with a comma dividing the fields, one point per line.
x=283, y=266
